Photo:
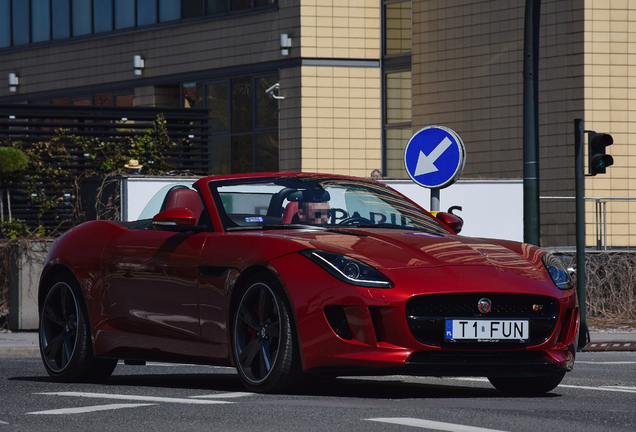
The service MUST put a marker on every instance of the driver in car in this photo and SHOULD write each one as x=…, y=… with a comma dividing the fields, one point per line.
x=313, y=206
x=313, y=213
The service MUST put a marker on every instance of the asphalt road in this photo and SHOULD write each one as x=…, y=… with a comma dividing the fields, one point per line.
x=600, y=395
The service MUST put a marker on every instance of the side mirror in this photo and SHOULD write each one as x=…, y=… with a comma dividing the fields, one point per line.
x=176, y=219
x=455, y=223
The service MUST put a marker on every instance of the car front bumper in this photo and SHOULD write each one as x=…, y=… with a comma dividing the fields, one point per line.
x=349, y=330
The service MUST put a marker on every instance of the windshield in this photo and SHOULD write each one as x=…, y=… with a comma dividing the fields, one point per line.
x=285, y=202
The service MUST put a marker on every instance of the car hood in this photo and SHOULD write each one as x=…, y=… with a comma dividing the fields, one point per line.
x=389, y=249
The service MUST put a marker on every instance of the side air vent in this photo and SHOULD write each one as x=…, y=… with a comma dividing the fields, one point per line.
x=338, y=321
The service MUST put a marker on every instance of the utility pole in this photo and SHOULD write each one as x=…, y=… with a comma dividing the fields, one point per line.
x=531, y=222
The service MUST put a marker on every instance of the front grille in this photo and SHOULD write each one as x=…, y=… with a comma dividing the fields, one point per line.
x=427, y=315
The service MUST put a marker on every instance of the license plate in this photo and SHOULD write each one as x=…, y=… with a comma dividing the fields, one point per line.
x=487, y=330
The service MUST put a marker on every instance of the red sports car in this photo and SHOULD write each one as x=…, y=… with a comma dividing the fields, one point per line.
x=293, y=275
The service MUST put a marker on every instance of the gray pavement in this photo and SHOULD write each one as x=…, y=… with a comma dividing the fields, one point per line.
x=25, y=344
x=19, y=344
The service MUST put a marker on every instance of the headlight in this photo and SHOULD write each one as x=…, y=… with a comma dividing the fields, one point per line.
x=558, y=273
x=348, y=270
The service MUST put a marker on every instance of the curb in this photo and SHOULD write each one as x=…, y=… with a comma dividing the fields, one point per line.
x=610, y=346
x=12, y=353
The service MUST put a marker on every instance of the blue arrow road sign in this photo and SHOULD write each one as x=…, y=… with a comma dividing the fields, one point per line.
x=434, y=157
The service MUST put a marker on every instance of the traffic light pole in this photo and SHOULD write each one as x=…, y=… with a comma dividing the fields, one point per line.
x=580, y=227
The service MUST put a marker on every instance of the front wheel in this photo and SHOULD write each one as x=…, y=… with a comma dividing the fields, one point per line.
x=265, y=350
x=527, y=386
x=65, y=337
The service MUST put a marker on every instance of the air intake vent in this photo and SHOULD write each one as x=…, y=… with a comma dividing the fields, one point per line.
x=338, y=321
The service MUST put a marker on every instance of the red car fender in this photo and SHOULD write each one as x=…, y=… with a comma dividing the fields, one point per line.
x=80, y=252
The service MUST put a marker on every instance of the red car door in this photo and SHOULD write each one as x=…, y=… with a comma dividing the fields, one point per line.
x=152, y=282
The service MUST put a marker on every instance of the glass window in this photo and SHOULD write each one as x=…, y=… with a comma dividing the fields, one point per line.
x=192, y=8
x=220, y=155
x=61, y=18
x=396, y=140
x=146, y=12
x=82, y=17
x=240, y=4
x=242, y=154
x=215, y=6
x=103, y=99
x=398, y=97
x=242, y=104
x=40, y=20
x=124, y=14
x=124, y=100
x=103, y=15
x=20, y=22
x=266, y=149
x=218, y=106
x=5, y=23
x=238, y=145
x=192, y=97
x=169, y=10
x=398, y=27
x=266, y=105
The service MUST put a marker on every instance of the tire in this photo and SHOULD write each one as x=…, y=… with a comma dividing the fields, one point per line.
x=265, y=348
x=527, y=386
x=65, y=344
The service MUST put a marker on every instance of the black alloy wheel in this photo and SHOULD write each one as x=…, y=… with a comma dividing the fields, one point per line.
x=65, y=337
x=265, y=348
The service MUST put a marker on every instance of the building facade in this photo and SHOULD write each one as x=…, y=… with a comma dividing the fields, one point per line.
x=340, y=86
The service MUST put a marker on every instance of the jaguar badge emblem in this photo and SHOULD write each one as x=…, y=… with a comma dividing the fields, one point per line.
x=484, y=305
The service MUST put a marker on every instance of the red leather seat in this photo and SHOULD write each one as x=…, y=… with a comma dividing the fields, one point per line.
x=185, y=198
x=291, y=209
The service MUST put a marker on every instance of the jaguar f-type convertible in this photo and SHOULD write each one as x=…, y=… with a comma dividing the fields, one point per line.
x=288, y=276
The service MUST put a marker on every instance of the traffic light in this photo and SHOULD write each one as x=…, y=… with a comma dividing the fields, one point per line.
x=598, y=160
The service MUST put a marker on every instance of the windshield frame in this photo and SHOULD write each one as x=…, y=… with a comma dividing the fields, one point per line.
x=412, y=217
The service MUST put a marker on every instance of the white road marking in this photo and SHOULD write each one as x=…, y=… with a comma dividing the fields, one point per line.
x=223, y=395
x=602, y=388
x=3, y=422
x=429, y=424
x=620, y=389
x=470, y=379
x=81, y=410
x=136, y=398
x=605, y=363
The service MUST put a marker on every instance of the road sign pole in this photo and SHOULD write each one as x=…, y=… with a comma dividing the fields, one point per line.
x=435, y=193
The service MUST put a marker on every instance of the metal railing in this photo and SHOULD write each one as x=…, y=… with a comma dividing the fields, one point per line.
x=600, y=217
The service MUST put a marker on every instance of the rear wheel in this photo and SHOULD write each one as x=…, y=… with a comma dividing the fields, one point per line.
x=264, y=344
x=527, y=385
x=65, y=337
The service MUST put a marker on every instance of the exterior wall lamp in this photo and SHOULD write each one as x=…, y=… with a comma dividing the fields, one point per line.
x=285, y=44
x=14, y=81
x=138, y=64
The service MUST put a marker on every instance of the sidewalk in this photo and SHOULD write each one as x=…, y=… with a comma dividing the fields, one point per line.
x=25, y=344
x=19, y=344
